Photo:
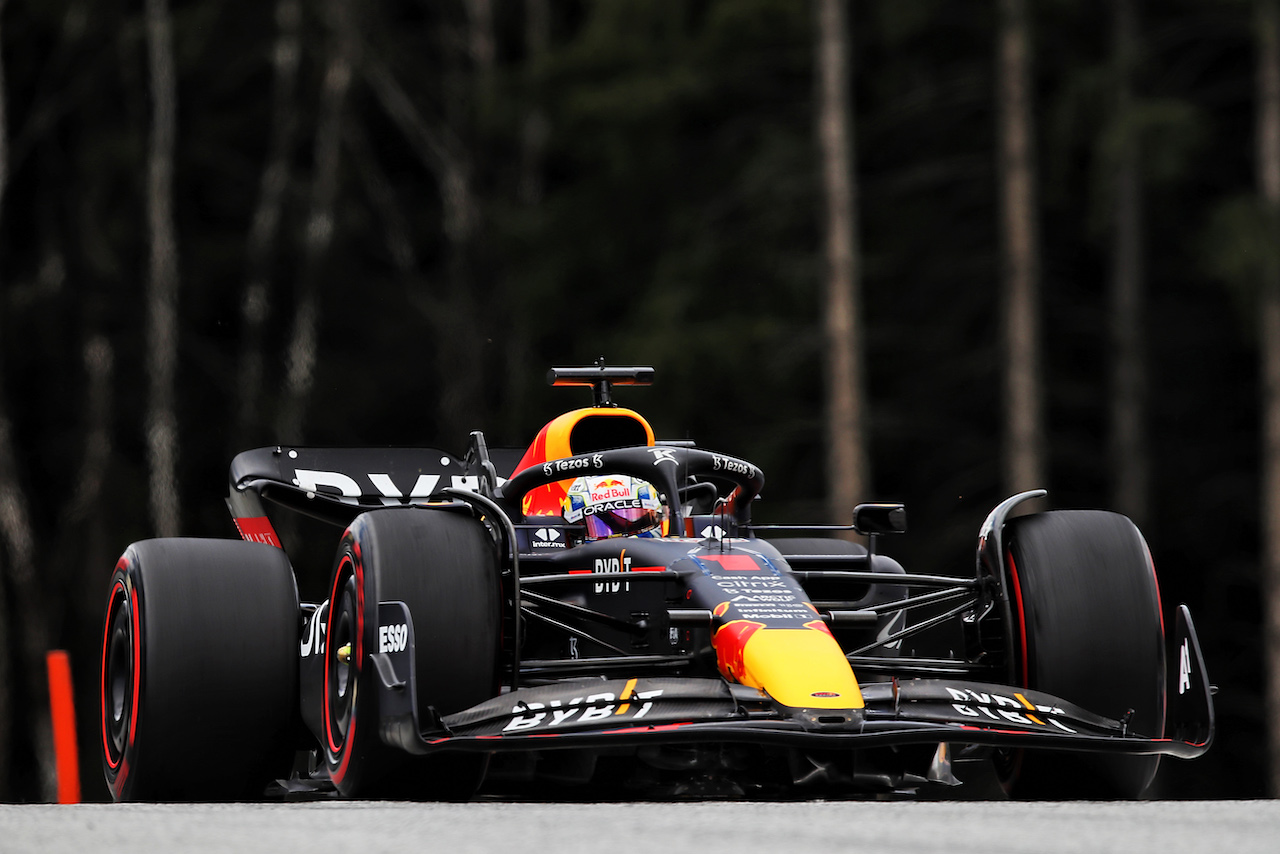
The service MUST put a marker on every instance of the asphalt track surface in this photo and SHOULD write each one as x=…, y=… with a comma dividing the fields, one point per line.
x=882, y=827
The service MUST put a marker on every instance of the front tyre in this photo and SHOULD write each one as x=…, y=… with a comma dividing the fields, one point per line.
x=1086, y=627
x=199, y=671
x=443, y=566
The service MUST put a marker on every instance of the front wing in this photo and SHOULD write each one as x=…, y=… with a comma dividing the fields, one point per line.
x=591, y=713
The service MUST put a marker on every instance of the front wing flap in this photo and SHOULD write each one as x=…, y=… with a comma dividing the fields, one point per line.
x=918, y=711
x=649, y=710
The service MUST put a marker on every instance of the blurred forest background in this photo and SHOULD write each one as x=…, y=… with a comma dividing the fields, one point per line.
x=231, y=223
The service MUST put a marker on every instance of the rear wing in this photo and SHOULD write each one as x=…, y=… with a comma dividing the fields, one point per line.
x=336, y=484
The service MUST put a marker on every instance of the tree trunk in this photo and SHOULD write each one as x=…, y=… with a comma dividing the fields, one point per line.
x=76, y=562
x=444, y=150
x=849, y=477
x=1268, y=142
x=22, y=627
x=264, y=233
x=481, y=40
x=30, y=624
x=6, y=680
x=162, y=296
x=535, y=133
x=304, y=339
x=536, y=127
x=461, y=357
x=1128, y=369
x=1024, y=466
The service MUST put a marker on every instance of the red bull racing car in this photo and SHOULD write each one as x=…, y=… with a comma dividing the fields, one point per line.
x=601, y=616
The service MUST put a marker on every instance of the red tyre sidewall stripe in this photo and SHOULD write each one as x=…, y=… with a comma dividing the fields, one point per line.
x=326, y=708
x=1155, y=579
x=1151, y=565
x=1024, y=667
x=117, y=586
x=1021, y=616
x=126, y=590
x=343, y=752
x=137, y=664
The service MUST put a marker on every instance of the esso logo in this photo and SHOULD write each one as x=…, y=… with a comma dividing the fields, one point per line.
x=393, y=638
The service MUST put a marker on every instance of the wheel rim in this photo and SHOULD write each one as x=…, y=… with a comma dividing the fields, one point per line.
x=119, y=675
x=120, y=679
x=342, y=660
x=341, y=676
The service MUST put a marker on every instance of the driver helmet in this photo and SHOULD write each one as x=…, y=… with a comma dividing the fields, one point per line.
x=615, y=505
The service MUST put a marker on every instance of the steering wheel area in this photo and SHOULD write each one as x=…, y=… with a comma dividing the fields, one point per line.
x=669, y=469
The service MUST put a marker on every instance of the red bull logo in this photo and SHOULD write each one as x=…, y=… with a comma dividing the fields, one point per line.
x=609, y=489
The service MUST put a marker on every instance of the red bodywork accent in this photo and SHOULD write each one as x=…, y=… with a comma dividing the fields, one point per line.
x=818, y=626
x=257, y=529
x=543, y=500
x=730, y=640
x=553, y=442
x=733, y=563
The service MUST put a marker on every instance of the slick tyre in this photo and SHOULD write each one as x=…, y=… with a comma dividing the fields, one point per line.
x=199, y=697
x=1086, y=627
x=443, y=566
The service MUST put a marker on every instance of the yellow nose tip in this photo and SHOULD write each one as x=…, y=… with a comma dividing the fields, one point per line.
x=801, y=668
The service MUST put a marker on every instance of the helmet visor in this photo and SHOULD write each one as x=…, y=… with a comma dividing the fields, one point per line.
x=621, y=522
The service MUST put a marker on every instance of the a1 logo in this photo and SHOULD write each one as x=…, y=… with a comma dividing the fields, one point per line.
x=1184, y=669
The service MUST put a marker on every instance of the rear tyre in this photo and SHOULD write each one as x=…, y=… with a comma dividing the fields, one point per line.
x=1086, y=627
x=444, y=567
x=199, y=697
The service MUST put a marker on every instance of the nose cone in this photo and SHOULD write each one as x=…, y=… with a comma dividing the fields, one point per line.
x=804, y=668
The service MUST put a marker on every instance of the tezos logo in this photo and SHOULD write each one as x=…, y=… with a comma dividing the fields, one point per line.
x=731, y=465
x=663, y=455
x=570, y=464
x=393, y=638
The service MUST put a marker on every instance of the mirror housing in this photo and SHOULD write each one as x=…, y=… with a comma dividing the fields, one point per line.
x=880, y=519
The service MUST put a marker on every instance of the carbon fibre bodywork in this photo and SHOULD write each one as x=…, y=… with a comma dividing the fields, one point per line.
x=717, y=635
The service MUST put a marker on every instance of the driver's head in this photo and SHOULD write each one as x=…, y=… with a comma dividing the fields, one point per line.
x=615, y=505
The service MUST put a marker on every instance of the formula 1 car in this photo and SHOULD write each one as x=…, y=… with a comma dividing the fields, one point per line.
x=602, y=617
